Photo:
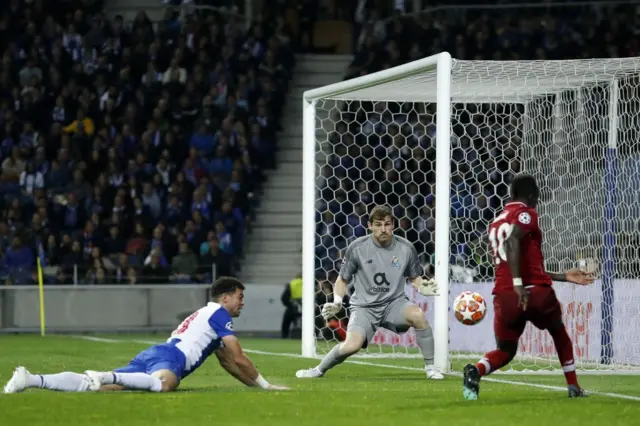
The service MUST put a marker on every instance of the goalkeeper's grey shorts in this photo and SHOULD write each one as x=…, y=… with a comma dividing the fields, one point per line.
x=366, y=320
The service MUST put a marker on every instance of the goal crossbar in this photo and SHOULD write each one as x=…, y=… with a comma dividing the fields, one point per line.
x=477, y=81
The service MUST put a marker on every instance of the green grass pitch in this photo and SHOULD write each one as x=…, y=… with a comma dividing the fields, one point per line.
x=370, y=392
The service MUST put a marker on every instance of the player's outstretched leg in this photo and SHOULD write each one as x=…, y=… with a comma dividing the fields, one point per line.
x=424, y=339
x=161, y=381
x=491, y=361
x=471, y=382
x=549, y=316
x=66, y=382
x=564, y=347
x=414, y=317
x=340, y=352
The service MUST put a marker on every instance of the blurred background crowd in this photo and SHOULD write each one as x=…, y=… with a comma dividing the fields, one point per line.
x=133, y=152
x=384, y=153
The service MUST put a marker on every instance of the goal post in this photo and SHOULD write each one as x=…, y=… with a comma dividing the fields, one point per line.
x=360, y=89
x=406, y=135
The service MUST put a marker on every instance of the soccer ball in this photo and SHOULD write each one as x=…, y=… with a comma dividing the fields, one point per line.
x=469, y=308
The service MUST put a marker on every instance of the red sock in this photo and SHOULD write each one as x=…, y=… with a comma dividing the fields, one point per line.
x=493, y=361
x=564, y=347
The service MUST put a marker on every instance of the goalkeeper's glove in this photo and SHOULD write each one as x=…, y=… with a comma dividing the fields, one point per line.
x=428, y=287
x=331, y=309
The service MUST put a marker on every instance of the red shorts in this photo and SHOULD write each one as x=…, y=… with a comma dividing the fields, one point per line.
x=543, y=311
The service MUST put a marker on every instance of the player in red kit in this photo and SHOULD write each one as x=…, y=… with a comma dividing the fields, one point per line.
x=522, y=290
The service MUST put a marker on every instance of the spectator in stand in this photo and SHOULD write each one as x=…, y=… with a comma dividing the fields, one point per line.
x=185, y=264
x=18, y=260
x=120, y=145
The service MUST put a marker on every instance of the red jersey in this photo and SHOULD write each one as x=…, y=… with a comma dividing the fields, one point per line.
x=531, y=259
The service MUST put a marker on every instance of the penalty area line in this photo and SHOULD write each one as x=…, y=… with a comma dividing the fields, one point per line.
x=374, y=364
x=97, y=339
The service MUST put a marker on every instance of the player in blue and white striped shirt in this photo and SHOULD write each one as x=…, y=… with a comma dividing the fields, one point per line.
x=160, y=368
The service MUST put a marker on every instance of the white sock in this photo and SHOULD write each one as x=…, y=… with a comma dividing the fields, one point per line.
x=66, y=382
x=139, y=381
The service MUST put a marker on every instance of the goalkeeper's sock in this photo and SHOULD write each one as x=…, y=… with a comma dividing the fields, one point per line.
x=139, y=381
x=65, y=382
x=330, y=360
x=493, y=361
x=424, y=339
x=564, y=347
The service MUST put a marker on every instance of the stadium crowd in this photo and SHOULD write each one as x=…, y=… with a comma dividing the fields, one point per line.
x=384, y=153
x=133, y=152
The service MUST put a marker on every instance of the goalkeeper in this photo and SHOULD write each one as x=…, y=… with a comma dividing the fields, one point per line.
x=378, y=266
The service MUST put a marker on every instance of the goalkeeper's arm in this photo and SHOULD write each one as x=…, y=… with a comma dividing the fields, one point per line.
x=236, y=363
x=339, y=290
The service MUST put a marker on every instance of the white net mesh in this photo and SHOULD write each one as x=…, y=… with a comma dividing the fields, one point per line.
x=554, y=119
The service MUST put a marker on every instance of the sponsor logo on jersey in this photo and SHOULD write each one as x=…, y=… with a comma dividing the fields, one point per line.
x=229, y=326
x=395, y=262
x=380, y=280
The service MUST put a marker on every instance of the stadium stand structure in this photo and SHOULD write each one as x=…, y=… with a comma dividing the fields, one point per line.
x=133, y=152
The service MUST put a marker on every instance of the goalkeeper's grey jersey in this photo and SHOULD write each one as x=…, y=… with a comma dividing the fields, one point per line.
x=378, y=274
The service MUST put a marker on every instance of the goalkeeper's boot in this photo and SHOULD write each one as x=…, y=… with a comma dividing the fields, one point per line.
x=18, y=382
x=310, y=373
x=471, y=382
x=432, y=373
x=576, y=392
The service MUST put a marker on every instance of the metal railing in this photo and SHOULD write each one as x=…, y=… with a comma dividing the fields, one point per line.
x=245, y=15
x=419, y=11
x=85, y=275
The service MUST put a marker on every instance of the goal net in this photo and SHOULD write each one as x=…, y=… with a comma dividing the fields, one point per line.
x=456, y=132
